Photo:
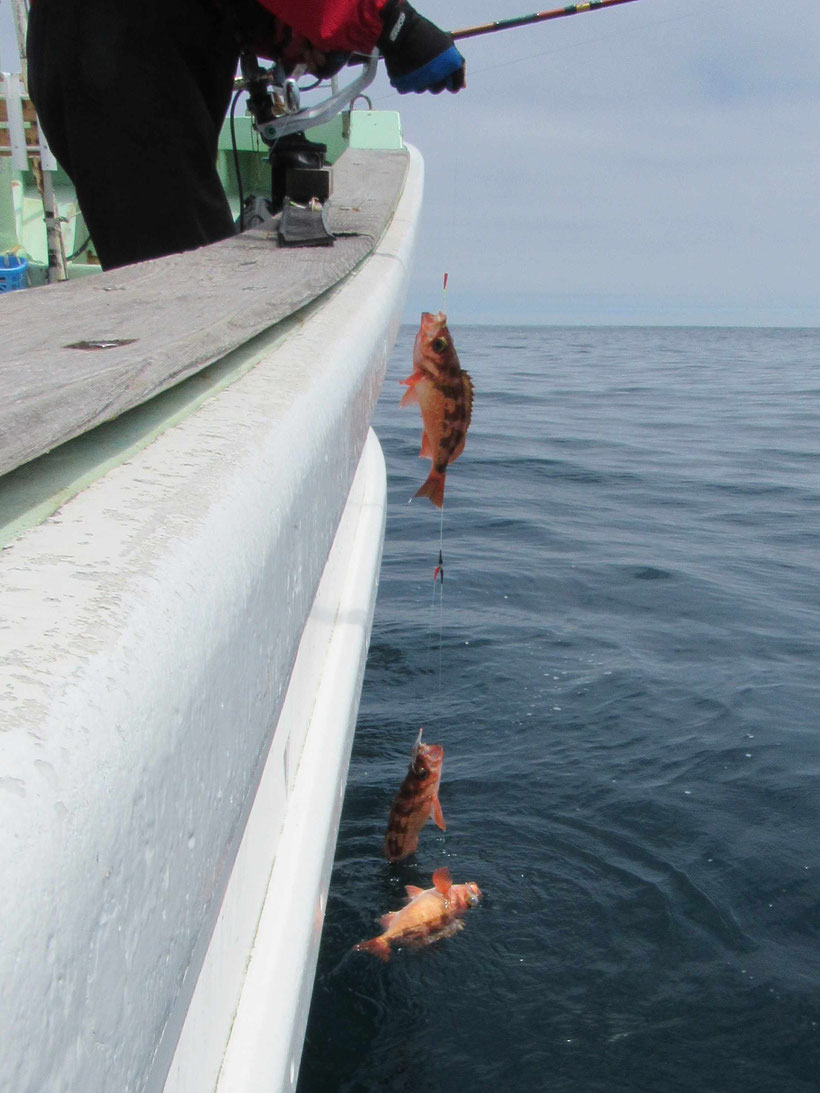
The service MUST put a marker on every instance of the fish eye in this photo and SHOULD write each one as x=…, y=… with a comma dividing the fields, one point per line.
x=422, y=772
x=440, y=344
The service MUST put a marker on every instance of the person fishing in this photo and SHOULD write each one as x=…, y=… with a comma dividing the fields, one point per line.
x=132, y=96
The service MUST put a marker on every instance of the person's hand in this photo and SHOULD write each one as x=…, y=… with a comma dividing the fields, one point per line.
x=316, y=62
x=265, y=35
x=418, y=55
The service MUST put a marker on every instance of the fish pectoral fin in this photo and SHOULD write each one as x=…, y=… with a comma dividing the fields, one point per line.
x=437, y=814
x=442, y=880
x=426, y=447
x=385, y=920
x=412, y=891
x=410, y=396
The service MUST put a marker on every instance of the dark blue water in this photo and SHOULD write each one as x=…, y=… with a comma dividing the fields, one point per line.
x=628, y=701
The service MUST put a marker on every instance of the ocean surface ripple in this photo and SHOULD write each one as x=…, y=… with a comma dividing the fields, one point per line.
x=624, y=671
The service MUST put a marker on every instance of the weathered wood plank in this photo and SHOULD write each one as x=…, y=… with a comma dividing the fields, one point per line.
x=178, y=314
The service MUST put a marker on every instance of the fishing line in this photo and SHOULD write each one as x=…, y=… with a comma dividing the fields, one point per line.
x=432, y=638
x=391, y=95
x=438, y=584
x=438, y=575
x=438, y=572
x=615, y=35
x=433, y=695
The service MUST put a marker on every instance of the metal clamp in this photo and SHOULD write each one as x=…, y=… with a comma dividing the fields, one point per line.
x=276, y=128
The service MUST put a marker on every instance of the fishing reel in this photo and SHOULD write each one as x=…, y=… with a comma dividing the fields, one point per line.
x=272, y=95
x=301, y=181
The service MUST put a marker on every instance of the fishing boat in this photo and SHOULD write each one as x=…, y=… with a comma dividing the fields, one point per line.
x=192, y=510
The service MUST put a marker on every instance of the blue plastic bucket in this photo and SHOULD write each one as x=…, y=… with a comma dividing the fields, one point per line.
x=12, y=272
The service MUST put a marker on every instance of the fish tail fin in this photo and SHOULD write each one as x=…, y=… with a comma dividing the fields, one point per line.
x=433, y=488
x=378, y=946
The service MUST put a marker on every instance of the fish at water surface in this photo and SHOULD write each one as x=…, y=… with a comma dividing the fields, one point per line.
x=429, y=915
x=444, y=393
x=416, y=802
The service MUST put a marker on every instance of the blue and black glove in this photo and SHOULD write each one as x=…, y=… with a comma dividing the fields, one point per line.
x=418, y=55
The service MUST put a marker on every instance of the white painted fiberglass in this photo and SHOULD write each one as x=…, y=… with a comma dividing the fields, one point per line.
x=301, y=793
x=147, y=635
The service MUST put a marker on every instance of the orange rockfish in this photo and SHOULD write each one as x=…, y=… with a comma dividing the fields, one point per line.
x=416, y=802
x=430, y=914
x=445, y=395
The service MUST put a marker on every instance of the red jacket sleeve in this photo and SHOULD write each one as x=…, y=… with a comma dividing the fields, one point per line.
x=352, y=25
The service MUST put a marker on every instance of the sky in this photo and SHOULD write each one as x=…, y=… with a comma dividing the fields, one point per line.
x=653, y=163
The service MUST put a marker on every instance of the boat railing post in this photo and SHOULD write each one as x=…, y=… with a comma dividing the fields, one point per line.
x=43, y=163
x=13, y=94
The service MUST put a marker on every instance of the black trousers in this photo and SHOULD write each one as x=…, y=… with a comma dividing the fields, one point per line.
x=131, y=95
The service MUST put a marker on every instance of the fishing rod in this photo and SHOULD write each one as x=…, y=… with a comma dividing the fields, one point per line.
x=294, y=119
x=536, y=17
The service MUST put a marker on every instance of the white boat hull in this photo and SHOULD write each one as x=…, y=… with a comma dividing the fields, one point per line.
x=170, y=784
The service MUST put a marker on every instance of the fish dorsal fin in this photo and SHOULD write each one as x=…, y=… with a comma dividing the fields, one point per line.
x=442, y=880
x=437, y=814
x=412, y=891
x=385, y=920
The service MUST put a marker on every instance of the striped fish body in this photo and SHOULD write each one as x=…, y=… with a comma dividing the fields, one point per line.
x=444, y=393
x=429, y=915
x=416, y=802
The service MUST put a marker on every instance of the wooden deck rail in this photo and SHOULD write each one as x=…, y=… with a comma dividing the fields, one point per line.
x=30, y=124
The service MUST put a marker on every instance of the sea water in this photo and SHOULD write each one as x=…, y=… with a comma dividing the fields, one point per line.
x=624, y=672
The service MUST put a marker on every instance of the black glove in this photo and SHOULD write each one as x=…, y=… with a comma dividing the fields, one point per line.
x=418, y=55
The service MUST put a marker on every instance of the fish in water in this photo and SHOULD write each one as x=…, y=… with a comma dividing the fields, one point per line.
x=445, y=394
x=429, y=915
x=416, y=802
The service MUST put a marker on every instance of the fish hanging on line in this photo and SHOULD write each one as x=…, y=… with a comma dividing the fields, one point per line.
x=429, y=915
x=416, y=802
x=445, y=394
